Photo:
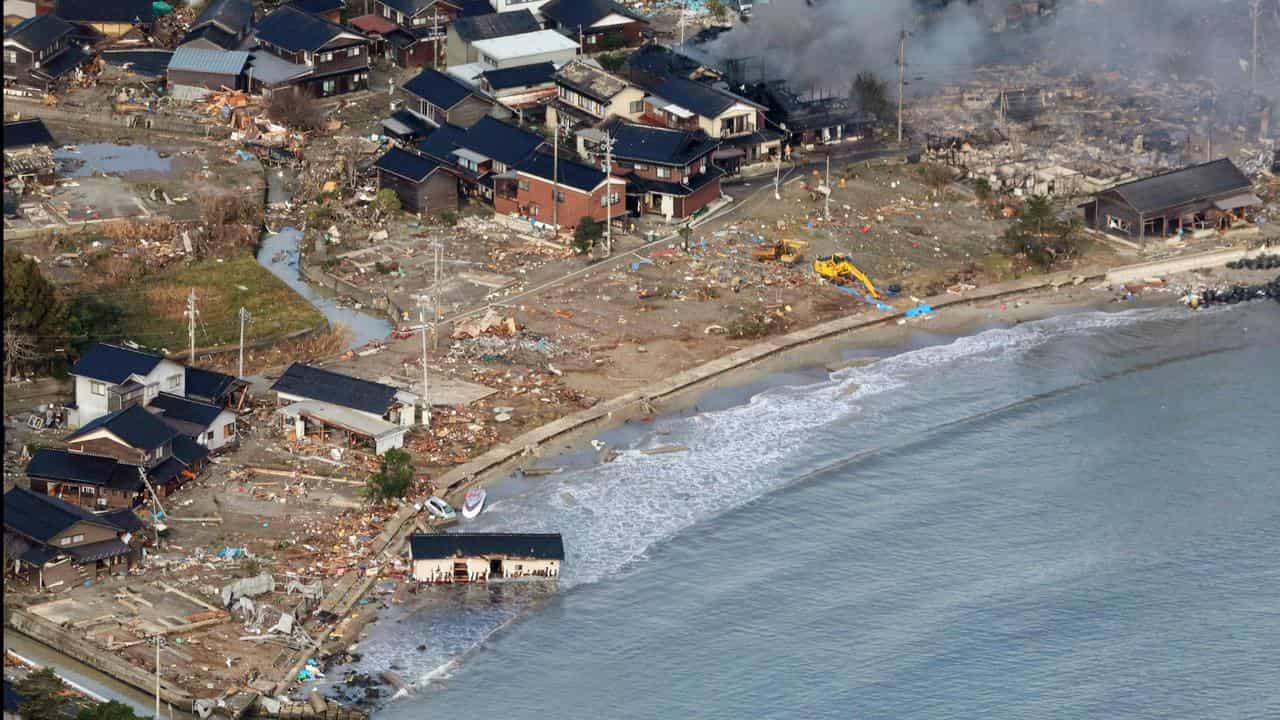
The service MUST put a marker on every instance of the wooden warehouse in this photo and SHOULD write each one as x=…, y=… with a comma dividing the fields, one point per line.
x=481, y=557
x=422, y=185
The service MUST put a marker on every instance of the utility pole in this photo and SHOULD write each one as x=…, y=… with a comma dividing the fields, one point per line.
x=608, y=195
x=826, y=202
x=191, y=325
x=435, y=39
x=777, y=174
x=158, y=638
x=684, y=8
x=435, y=295
x=1255, y=11
x=426, y=399
x=555, y=180
x=244, y=318
x=156, y=509
x=902, y=76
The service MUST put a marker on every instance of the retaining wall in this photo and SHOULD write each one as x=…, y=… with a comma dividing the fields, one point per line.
x=139, y=122
x=1218, y=258
x=67, y=642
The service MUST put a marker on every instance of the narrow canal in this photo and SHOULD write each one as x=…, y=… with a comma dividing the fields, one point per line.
x=279, y=253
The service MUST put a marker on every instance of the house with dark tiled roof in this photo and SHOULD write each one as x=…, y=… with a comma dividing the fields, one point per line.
x=484, y=557
x=344, y=406
x=40, y=51
x=669, y=172
x=1212, y=195
x=138, y=436
x=210, y=425
x=525, y=90
x=215, y=387
x=58, y=544
x=747, y=136
x=439, y=99
x=421, y=29
x=335, y=60
x=109, y=18
x=96, y=482
x=330, y=10
x=422, y=184
x=599, y=25
x=222, y=25
x=110, y=377
x=558, y=194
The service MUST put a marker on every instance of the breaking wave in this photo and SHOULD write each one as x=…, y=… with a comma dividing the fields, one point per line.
x=611, y=515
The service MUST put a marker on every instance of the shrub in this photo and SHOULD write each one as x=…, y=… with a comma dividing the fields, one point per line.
x=1040, y=236
x=448, y=218
x=386, y=201
x=587, y=235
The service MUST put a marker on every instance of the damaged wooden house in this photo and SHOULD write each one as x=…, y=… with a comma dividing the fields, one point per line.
x=28, y=156
x=359, y=410
x=38, y=53
x=485, y=557
x=55, y=544
x=1211, y=196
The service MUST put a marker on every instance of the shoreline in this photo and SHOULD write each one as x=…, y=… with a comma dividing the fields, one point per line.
x=824, y=346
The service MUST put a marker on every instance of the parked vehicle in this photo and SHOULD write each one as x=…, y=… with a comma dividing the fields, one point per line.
x=441, y=509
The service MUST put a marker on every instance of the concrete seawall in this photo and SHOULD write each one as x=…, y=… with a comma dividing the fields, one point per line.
x=70, y=644
x=1218, y=258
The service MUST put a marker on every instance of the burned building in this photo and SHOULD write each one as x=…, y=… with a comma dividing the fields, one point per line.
x=1213, y=195
x=816, y=120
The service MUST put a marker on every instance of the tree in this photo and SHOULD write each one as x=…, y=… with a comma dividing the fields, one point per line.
x=386, y=201
x=393, y=479
x=1041, y=236
x=613, y=62
x=44, y=696
x=34, y=316
x=295, y=109
x=110, y=710
x=587, y=235
x=717, y=9
x=872, y=95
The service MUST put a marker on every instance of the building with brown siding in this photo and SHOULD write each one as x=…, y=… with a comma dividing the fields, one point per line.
x=336, y=59
x=57, y=544
x=422, y=185
x=599, y=25
x=441, y=99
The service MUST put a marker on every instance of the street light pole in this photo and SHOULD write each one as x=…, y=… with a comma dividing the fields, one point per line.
x=608, y=195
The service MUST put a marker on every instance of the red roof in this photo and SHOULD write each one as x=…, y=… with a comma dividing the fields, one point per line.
x=373, y=24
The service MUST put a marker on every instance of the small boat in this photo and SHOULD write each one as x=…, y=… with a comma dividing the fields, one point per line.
x=473, y=503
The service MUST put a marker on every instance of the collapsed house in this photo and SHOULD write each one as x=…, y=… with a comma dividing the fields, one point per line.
x=483, y=557
x=361, y=410
x=1210, y=196
x=28, y=155
x=221, y=25
x=138, y=437
x=55, y=543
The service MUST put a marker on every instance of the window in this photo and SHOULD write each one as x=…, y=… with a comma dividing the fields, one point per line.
x=102, y=502
x=326, y=56
x=64, y=541
x=559, y=195
x=354, y=52
x=11, y=56
x=328, y=87
x=610, y=199
x=229, y=430
x=1115, y=223
x=97, y=388
x=524, y=185
x=419, y=21
x=208, y=437
x=173, y=382
x=664, y=172
x=641, y=166
x=591, y=39
x=87, y=490
x=77, y=538
x=637, y=106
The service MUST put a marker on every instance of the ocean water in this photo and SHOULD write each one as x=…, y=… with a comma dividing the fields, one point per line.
x=1072, y=518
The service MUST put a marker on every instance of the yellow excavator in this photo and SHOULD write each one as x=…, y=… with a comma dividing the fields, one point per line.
x=840, y=270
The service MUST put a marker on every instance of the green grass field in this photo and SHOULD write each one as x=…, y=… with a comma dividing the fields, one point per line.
x=154, y=306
